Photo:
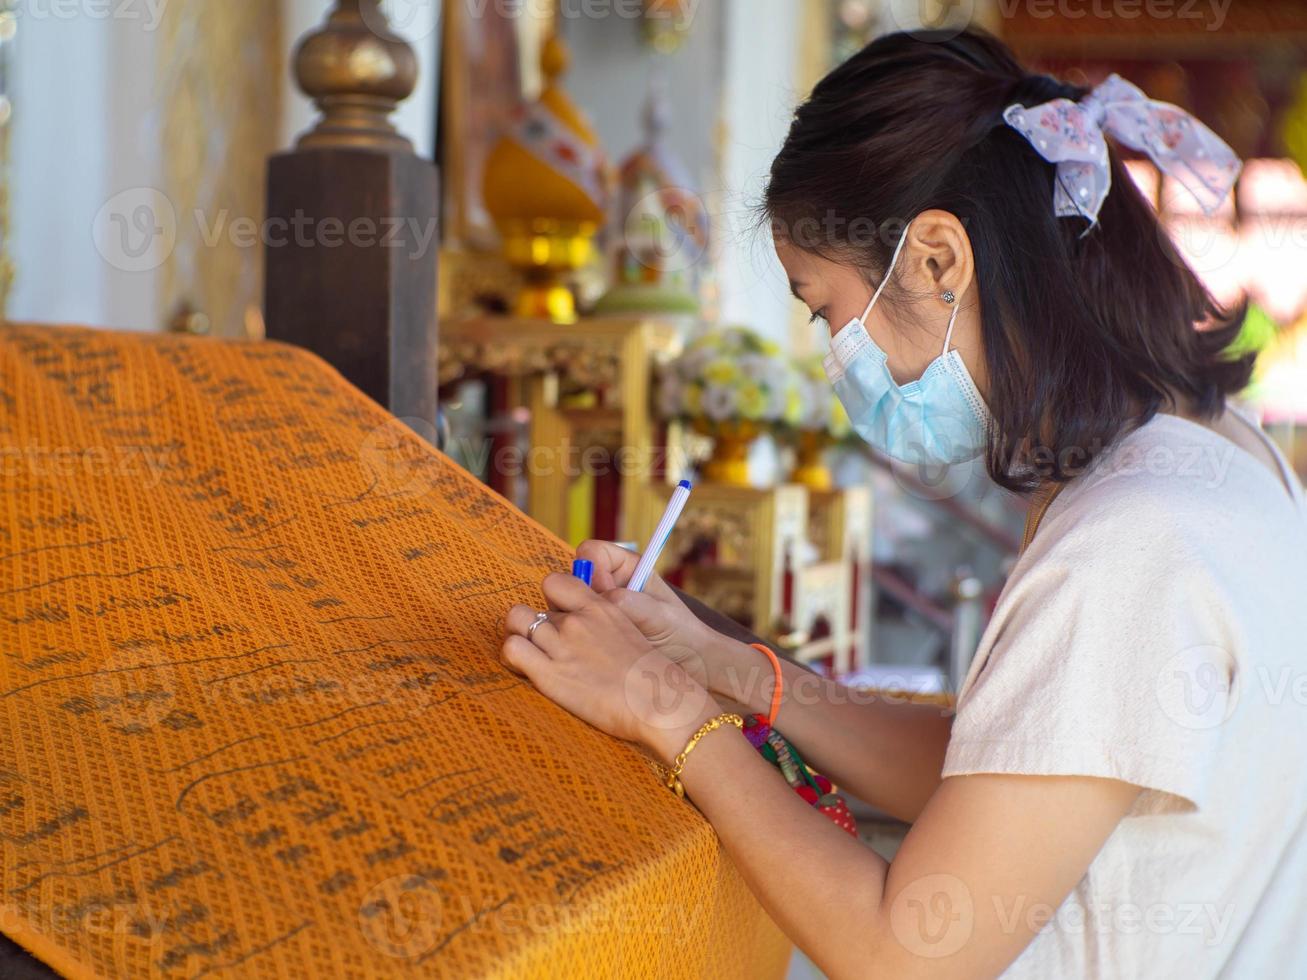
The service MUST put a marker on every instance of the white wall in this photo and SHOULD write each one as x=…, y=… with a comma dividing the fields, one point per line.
x=85, y=151
x=761, y=61
x=613, y=69
x=82, y=90
x=732, y=88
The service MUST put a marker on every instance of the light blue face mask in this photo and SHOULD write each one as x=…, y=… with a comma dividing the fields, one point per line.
x=939, y=419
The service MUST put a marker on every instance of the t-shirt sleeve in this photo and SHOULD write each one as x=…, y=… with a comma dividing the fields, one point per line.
x=1107, y=656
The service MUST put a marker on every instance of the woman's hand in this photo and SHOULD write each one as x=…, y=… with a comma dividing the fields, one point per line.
x=658, y=612
x=590, y=658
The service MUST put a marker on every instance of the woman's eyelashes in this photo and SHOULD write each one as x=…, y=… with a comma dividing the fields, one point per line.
x=818, y=315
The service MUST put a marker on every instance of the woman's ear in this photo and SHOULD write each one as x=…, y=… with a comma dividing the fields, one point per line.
x=941, y=253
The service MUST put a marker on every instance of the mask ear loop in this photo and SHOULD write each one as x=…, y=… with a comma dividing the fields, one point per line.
x=948, y=335
x=879, y=289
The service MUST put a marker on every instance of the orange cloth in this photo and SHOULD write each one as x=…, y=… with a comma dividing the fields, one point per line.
x=252, y=716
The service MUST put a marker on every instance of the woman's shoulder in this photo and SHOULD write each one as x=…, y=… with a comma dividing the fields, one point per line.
x=1165, y=504
x=1173, y=476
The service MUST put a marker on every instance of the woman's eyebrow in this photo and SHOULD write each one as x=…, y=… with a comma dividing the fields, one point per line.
x=795, y=286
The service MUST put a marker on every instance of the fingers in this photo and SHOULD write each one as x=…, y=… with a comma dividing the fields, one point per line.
x=523, y=657
x=566, y=592
x=519, y=620
x=613, y=565
x=643, y=610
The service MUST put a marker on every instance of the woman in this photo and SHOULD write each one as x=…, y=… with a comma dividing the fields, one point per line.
x=1117, y=793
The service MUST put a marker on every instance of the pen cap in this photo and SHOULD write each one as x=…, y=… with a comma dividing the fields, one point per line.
x=583, y=569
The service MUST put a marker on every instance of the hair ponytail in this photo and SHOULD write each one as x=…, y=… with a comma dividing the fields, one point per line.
x=1031, y=90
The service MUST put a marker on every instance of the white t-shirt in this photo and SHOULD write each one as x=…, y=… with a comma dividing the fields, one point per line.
x=1155, y=631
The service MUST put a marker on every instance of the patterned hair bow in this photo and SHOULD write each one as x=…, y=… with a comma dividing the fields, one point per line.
x=1070, y=135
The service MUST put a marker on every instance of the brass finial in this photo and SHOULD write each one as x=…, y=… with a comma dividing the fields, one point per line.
x=356, y=71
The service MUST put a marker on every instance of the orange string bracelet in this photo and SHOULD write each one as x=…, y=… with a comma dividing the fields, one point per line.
x=776, y=691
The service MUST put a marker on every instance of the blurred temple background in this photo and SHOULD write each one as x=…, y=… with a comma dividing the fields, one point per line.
x=608, y=316
x=529, y=228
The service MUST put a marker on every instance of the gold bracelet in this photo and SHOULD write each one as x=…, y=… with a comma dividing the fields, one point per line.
x=671, y=777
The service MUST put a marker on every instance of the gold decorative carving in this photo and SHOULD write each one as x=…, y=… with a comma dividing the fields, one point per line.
x=729, y=526
x=475, y=282
x=585, y=355
x=757, y=535
x=614, y=354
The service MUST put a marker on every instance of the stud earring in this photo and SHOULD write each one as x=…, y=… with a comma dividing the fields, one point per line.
x=948, y=296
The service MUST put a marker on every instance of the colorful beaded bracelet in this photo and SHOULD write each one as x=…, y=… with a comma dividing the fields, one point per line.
x=815, y=789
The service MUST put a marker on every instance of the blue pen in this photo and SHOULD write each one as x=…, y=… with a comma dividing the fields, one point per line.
x=583, y=569
x=662, y=534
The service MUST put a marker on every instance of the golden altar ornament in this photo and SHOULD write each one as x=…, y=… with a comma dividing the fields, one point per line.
x=732, y=440
x=545, y=185
x=810, y=467
x=821, y=422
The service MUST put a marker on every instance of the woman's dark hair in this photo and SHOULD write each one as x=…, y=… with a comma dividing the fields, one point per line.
x=1084, y=335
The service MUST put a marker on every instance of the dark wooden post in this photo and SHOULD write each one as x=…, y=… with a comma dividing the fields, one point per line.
x=352, y=220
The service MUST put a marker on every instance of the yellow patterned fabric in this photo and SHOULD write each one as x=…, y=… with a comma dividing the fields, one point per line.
x=252, y=717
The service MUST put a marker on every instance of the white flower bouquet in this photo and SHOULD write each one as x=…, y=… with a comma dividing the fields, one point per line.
x=731, y=376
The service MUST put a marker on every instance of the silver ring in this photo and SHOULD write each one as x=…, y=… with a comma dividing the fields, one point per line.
x=541, y=617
